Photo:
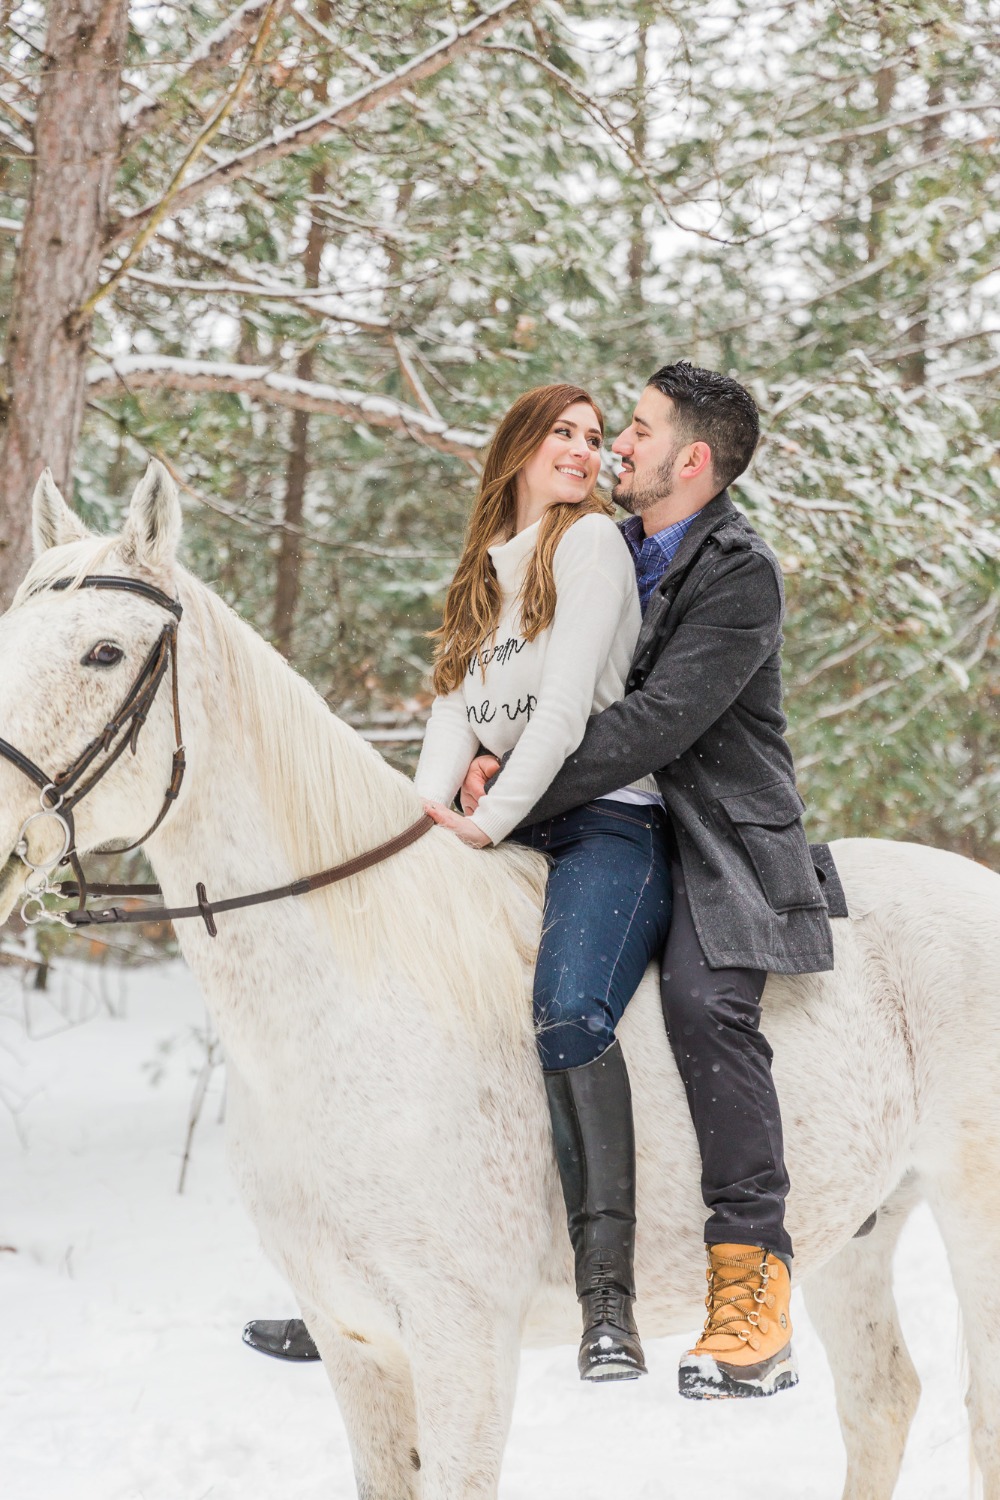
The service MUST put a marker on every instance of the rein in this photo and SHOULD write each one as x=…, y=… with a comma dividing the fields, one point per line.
x=59, y=795
x=206, y=909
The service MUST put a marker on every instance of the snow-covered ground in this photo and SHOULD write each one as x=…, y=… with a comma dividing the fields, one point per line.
x=122, y=1375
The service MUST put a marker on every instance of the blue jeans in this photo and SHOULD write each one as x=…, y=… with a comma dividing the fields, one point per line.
x=607, y=913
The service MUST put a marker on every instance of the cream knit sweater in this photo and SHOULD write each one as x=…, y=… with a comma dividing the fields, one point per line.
x=534, y=697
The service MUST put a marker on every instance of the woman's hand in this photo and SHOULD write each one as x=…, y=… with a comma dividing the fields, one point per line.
x=468, y=832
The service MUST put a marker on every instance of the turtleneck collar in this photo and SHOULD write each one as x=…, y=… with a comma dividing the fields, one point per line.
x=511, y=558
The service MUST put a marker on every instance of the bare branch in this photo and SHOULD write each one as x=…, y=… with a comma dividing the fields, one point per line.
x=162, y=372
x=284, y=142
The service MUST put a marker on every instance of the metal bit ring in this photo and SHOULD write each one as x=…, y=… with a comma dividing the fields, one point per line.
x=22, y=842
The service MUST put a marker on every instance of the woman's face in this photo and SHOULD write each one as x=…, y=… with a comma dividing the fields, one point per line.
x=564, y=468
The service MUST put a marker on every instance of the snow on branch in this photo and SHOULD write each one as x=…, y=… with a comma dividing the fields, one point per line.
x=289, y=139
x=164, y=373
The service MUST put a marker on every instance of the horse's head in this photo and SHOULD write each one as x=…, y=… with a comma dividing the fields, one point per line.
x=70, y=656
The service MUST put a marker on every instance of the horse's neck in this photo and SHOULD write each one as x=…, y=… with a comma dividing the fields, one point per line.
x=260, y=771
x=225, y=831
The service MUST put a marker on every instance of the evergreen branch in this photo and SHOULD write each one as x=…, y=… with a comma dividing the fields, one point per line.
x=310, y=300
x=615, y=132
x=25, y=117
x=970, y=372
x=935, y=658
x=205, y=135
x=216, y=50
x=268, y=524
x=162, y=372
x=289, y=139
x=836, y=659
x=411, y=375
x=797, y=145
x=22, y=142
x=972, y=660
x=933, y=346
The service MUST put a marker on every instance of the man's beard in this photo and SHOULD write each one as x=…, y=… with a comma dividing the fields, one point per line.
x=642, y=496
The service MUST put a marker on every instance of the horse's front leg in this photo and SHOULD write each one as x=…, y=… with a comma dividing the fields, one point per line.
x=464, y=1359
x=374, y=1390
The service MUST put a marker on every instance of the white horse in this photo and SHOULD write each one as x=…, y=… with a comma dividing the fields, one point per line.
x=386, y=1112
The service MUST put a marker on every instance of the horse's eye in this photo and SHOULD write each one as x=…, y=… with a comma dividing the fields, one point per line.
x=104, y=654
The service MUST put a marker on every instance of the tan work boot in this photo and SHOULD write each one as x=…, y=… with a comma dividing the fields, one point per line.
x=746, y=1346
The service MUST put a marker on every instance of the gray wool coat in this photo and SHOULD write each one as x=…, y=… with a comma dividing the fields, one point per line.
x=702, y=712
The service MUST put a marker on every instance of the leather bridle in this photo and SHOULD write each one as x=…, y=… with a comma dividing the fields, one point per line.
x=59, y=795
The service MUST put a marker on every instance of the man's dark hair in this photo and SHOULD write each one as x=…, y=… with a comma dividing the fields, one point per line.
x=713, y=409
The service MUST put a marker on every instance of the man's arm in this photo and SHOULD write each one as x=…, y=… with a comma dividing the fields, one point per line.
x=731, y=629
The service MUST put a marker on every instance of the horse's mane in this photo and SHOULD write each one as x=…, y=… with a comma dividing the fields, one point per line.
x=459, y=924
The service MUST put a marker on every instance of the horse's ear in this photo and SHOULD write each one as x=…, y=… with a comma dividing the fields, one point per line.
x=153, y=527
x=53, y=524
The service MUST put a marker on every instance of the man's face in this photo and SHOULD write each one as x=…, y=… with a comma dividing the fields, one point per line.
x=650, y=454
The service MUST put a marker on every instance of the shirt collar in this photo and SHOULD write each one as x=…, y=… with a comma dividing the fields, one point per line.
x=665, y=540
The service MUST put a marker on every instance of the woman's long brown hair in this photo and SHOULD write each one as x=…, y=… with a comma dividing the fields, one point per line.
x=472, y=605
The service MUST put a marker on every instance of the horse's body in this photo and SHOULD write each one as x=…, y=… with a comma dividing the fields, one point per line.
x=386, y=1112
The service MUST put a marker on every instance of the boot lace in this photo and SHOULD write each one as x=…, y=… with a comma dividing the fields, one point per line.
x=737, y=1292
x=606, y=1304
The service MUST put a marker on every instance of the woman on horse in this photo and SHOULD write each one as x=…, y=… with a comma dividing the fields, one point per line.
x=540, y=623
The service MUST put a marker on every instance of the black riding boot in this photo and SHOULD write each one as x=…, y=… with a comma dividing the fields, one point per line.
x=288, y=1339
x=591, y=1110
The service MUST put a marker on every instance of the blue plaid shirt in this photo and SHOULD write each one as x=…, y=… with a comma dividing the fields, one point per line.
x=652, y=554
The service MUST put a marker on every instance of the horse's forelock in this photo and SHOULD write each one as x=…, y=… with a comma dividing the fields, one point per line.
x=74, y=560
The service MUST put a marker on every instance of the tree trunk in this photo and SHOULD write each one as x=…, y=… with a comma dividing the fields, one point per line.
x=637, y=249
x=76, y=145
x=881, y=196
x=286, y=593
x=913, y=368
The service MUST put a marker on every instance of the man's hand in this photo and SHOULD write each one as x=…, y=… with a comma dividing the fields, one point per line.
x=467, y=831
x=476, y=777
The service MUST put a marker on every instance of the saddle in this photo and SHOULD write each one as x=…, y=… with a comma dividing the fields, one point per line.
x=829, y=880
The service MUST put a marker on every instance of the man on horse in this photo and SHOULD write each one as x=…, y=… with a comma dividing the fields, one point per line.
x=702, y=713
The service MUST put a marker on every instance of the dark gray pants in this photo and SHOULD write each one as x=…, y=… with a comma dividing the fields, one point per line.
x=713, y=1022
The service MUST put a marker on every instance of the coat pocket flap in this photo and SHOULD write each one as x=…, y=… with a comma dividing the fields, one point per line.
x=772, y=806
